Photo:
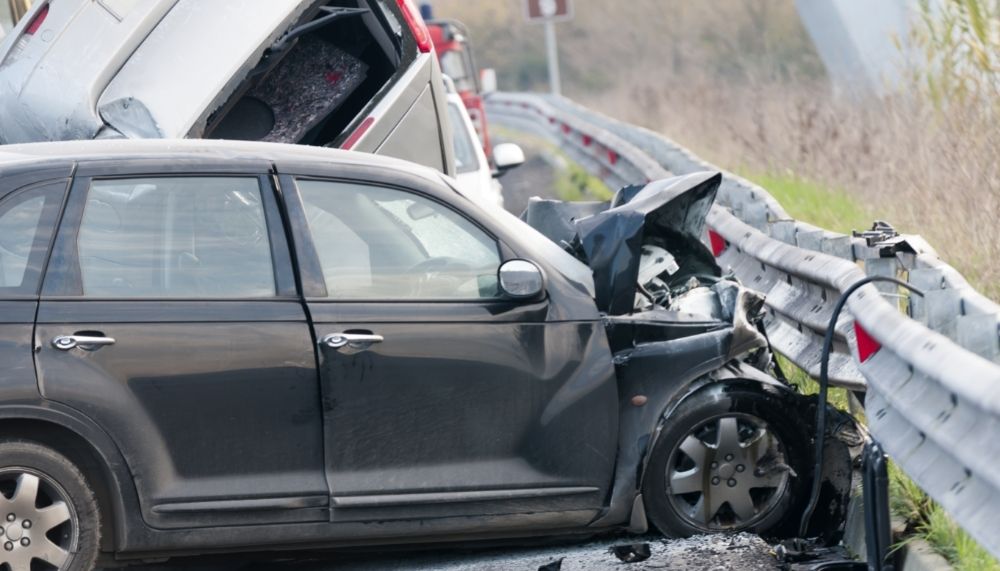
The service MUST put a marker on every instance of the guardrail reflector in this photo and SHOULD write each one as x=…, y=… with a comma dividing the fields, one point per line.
x=718, y=243
x=867, y=345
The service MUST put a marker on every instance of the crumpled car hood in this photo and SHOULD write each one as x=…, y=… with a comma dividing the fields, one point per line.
x=609, y=236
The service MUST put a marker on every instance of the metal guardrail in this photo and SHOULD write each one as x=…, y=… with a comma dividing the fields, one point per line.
x=930, y=365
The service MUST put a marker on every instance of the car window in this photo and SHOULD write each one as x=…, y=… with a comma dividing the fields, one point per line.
x=26, y=224
x=465, y=150
x=184, y=237
x=387, y=244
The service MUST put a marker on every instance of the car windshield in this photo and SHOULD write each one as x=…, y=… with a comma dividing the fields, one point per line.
x=465, y=150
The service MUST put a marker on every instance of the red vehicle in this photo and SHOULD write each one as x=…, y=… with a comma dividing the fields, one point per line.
x=451, y=42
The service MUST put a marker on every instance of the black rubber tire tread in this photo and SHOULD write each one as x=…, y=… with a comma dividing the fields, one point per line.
x=39, y=457
x=781, y=412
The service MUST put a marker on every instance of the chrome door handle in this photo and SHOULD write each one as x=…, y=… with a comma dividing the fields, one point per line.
x=357, y=341
x=85, y=342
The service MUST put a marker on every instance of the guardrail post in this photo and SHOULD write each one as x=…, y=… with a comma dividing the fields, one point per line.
x=783, y=230
x=878, y=536
x=839, y=246
x=929, y=280
x=809, y=239
x=979, y=334
x=755, y=214
x=886, y=267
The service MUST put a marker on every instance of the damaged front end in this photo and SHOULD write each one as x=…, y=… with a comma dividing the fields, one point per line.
x=686, y=337
x=654, y=279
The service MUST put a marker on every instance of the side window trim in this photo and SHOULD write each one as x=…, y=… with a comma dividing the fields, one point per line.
x=63, y=278
x=54, y=193
x=310, y=270
x=281, y=256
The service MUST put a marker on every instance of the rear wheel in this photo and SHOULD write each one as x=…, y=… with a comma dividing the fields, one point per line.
x=730, y=458
x=49, y=517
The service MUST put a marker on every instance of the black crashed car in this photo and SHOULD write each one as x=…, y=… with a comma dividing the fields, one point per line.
x=218, y=346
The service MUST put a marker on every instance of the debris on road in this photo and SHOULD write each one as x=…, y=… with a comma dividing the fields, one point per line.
x=743, y=552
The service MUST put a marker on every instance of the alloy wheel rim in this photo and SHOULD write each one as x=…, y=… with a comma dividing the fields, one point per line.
x=39, y=528
x=729, y=472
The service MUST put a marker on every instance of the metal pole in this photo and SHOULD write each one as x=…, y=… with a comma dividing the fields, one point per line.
x=553, y=52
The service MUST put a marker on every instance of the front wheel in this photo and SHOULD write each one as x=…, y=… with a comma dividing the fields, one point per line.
x=48, y=514
x=729, y=458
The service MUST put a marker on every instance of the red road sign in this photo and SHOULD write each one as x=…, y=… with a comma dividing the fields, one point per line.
x=542, y=10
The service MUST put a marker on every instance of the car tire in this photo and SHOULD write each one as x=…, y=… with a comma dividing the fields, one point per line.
x=729, y=458
x=48, y=511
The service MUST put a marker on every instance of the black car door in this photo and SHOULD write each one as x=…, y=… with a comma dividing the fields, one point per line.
x=442, y=398
x=169, y=314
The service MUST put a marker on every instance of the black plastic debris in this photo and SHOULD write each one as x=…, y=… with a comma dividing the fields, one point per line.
x=632, y=553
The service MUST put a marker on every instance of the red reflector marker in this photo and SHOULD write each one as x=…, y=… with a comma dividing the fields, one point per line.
x=37, y=21
x=416, y=24
x=867, y=346
x=718, y=243
x=354, y=137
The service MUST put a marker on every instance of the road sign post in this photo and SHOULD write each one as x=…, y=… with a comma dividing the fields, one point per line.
x=549, y=12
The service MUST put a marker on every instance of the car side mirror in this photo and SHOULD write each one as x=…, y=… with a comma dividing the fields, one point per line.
x=507, y=156
x=520, y=279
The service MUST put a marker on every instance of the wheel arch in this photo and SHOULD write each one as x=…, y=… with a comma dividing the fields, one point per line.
x=90, y=449
x=734, y=375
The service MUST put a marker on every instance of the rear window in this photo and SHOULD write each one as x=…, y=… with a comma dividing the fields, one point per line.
x=178, y=237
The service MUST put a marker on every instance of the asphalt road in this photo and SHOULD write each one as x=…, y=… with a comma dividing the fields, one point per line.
x=742, y=552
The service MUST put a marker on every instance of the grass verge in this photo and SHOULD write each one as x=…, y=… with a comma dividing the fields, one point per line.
x=807, y=201
x=927, y=520
x=807, y=386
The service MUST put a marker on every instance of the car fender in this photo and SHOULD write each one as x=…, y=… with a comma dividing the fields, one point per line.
x=651, y=378
x=115, y=472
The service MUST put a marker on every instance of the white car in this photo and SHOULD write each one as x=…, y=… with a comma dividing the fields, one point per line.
x=474, y=175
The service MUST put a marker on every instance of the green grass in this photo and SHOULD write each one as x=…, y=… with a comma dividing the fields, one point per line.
x=927, y=520
x=955, y=544
x=807, y=201
x=807, y=386
x=574, y=183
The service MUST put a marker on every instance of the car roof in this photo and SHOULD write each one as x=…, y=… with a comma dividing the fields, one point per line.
x=199, y=149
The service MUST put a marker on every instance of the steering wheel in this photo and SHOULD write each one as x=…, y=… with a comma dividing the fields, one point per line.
x=441, y=273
